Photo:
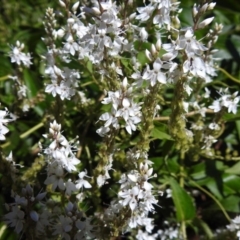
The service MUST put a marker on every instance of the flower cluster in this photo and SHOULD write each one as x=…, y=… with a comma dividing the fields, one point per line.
x=118, y=51
x=22, y=211
x=19, y=57
x=227, y=101
x=122, y=107
x=235, y=226
x=60, y=157
x=3, y=122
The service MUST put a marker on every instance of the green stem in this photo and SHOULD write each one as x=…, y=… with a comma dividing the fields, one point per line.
x=229, y=75
x=23, y=135
x=183, y=230
x=86, y=84
x=181, y=183
x=214, y=199
x=31, y=130
x=4, y=78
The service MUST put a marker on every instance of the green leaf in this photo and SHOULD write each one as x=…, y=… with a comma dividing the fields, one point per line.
x=230, y=204
x=235, y=169
x=231, y=183
x=238, y=129
x=183, y=202
x=204, y=226
x=231, y=117
x=156, y=133
x=212, y=185
x=198, y=171
x=158, y=161
x=126, y=63
x=30, y=83
x=142, y=58
x=89, y=67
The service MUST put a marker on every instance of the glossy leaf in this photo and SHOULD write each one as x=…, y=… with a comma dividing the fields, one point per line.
x=183, y=202
x=160, y=135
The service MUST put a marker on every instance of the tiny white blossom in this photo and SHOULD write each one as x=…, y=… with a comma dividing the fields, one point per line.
x=82, y=182
x=17, y=56
x=15, y=218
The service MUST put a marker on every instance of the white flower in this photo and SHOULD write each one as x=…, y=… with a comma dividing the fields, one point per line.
x=69, y=163
x=52, y=88
x=145, y=236
x=214, y=126
x=43, y=222
x=145, y=12
x=163, y=14
x=3, y=131
x=55, y=181
x=101, y=179
x=196, y=66
x=207, y=93
x=236, y=220
x=123, y=107
x=148, y=201
x=130, y=197
x=15, y=219
x=70, y=187
x=208, y=140
x=63, y=226
x=231, y=102
x=71, y=46
x=226, y=100
x=82, y=182
x=4, y=121
x=216, y=106
x=155, y=75
x=102, y=131
x=169, y=193
x=17, y=56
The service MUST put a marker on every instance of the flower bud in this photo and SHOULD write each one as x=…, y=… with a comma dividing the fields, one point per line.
x=204, y=8
x=71, y=21
x=215, y=38
x=40, y=196
x=205, y=22
x=132, y=16
x=75, y=6
x=96, y=11
x=130, y=2
x=211, y=6
x=125, y=83
x=158, y=44
x=62, y=4
x=34, y=216
x=18, y=44
x=194, y=10
x=153, y=49
x=148, y=55
x=143, y=34
x=60, y=33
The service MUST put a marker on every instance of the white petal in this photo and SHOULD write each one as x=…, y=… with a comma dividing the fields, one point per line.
x=86, y=184
x=125, y=82
x=126, y=103
x=132, y=177
x=104, y=116
x=133, y=204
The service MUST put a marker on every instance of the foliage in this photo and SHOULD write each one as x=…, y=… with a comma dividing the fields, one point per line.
x=155, y=149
